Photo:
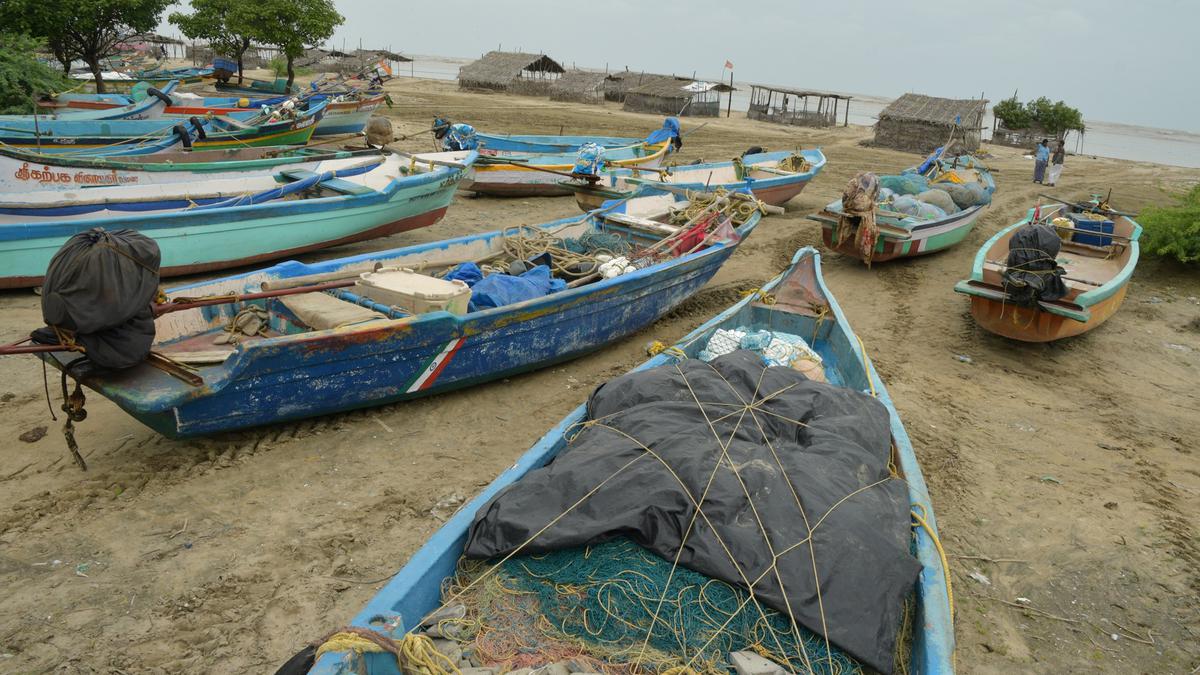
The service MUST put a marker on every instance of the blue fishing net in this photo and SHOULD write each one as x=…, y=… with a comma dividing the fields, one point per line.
x=589, y=159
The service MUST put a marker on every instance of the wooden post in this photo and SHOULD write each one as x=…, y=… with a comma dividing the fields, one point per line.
x=729, y=108
x=847, y=122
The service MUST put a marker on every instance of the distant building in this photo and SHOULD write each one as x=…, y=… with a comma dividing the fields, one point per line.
x=671, y=95
x=513, y=72
x=919, y=123
x=792, y=106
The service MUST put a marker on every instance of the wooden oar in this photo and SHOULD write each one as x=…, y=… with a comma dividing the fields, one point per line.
x=429, y=160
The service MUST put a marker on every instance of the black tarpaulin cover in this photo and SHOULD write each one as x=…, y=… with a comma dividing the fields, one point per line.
x=1032, y=272
x=100, y=285
x=651, y=450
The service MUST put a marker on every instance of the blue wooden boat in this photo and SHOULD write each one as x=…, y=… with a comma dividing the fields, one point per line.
x=773, y=177
x=522, y=174
x=236, y=221
x=382, y=355
x=115, y=107
x=122, y=137
x=548, y=144
x=796, y=302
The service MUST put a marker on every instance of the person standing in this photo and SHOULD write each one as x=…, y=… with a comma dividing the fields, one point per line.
x=1041, y=155
x=1056, y=162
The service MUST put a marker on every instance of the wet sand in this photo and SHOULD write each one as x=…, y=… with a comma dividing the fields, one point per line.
x=1064, y=473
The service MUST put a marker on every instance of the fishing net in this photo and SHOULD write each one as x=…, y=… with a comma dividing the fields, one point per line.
x=595, y=605
x=905, y=183
x=592, y=242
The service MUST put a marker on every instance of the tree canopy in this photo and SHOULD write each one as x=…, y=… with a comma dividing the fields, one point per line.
x=292, y=25
x=1053, y=118
x=85, y=29
x=22, y=75
x=225, y=24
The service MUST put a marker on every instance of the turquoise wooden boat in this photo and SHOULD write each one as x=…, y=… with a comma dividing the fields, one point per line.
x=798, y=302
x=904, y=236
x=769, y=175
x=239, y=221
x=22, y=171
x=346, y=352
x=1098, y=268
x=137, y=137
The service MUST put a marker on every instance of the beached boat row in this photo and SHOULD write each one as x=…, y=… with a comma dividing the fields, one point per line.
x=296, y=340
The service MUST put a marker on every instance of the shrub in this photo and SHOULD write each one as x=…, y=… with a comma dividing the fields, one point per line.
x=1174, y=231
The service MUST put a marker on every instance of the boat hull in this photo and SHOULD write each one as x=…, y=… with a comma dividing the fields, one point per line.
x=1030, y=324
x=923, y=239
x=202, y=240
x=21, y=172
x=416, y=590
x=589, y=199
x=515, y=180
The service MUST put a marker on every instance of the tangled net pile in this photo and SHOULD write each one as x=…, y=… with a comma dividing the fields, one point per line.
x=571, y=257
x=596, y=605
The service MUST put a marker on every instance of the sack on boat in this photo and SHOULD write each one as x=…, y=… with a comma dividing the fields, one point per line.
x=905, y=183
x=966, y=195
x=939, y=198
x=499, y=290
x=468, y=273
x=1031, y=270
x=589, y=159
x=100, y=286
x=606, y=484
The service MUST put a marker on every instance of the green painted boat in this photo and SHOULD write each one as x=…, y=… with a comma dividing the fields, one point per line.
x=1098, y=268
x=904, y=236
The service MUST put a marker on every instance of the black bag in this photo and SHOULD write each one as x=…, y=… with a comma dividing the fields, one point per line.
x=1031, y=271
x=100, y=285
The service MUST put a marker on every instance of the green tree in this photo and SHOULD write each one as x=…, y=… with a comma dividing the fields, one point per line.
x=22, y=75
x=292, y=25
x=1054, y=118
x=225, y=24
x=85, y=29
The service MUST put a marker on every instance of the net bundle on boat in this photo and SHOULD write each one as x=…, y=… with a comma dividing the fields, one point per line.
x=596, y=605
x=702, y=509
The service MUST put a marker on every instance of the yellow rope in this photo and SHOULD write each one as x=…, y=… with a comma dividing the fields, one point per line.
x=920, y=520
x=760, y=296
x=866, y=365
x=415, y=653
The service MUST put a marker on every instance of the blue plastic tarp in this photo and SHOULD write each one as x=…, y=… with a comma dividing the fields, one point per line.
x=669, y=130
x=499, y=290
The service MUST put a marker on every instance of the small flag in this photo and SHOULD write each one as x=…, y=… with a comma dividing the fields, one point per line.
x=729, y=65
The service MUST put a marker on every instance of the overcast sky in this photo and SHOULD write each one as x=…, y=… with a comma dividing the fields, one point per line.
x=1130, y=61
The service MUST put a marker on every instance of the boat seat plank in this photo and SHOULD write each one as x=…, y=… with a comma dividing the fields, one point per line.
x=336, y=184
x=321, y=311
x=641, y=223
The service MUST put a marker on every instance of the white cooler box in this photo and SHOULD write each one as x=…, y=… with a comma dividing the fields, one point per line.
x=413, y=292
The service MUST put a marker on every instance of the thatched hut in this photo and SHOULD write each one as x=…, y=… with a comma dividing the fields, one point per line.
x=670, y=95
x=513, y=72
x=919, y=123
x=579, y=86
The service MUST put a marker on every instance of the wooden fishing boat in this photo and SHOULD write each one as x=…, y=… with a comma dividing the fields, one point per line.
x=237, y=221
x=140, y=137
x=798, y=302
x=345, y=113
x=347, y=356
x=110, y=107
x=22, y=171
x=764, y=174
x=1098, y=268
x=255, y=87
x=519, y=174
x=902, y=235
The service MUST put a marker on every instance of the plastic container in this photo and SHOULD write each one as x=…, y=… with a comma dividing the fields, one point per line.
x=1084, y=223
x=413, y=292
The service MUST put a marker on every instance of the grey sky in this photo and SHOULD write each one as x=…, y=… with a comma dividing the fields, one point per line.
x=1130, y=61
